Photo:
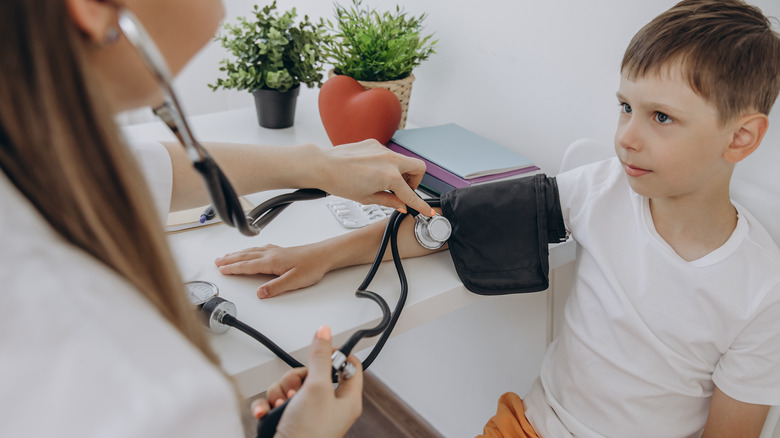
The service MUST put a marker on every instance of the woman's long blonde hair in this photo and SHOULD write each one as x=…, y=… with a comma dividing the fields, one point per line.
x=60, y=147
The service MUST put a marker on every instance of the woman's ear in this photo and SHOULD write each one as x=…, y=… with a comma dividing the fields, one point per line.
x=748, y=135
x=96, y=18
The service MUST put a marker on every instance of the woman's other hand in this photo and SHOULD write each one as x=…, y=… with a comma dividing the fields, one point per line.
x=317, y=410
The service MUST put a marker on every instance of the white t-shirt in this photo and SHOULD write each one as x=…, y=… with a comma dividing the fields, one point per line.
x=646, y=334
x=83, y=354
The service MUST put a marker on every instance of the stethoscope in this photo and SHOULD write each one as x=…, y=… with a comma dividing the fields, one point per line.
x=219, y=314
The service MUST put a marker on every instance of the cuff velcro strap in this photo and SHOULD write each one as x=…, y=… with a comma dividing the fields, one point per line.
x=501, y=231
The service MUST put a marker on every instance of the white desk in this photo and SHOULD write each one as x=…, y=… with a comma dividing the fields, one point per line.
x=291, y=320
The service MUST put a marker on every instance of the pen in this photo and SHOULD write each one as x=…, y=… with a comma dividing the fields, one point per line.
x=208, y=214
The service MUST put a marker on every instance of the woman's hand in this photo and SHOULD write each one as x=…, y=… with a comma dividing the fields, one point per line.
x=316, y=410
x=365, y=172
x=295, y=267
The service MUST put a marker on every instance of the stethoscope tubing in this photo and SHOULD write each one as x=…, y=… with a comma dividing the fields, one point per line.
x=266, y=427
x=226, y=202
x=222, y=194
x=227, y=205
x=395, y=219
x=267, y=211
x=384, y=327
x=268, y=343
x=388, y=318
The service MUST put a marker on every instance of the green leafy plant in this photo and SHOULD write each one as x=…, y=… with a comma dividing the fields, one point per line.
x=272, y=52
x=369, y=46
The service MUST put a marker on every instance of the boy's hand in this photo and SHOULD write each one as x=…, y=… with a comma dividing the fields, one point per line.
x=296, y=267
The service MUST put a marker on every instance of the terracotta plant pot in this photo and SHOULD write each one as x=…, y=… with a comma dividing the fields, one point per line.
x=402, y=88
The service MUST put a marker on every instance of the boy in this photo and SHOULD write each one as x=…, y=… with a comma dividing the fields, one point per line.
x=671, y=328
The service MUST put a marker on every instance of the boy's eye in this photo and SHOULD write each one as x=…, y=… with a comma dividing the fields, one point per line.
x=662, y=118
x=626, y=108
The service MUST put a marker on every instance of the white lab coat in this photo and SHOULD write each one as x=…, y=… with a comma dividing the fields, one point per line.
x=82, y=353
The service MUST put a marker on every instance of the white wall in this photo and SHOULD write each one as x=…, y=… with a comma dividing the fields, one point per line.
x=530, y=75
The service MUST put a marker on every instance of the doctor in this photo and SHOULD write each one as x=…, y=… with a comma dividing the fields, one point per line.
x=97, y=337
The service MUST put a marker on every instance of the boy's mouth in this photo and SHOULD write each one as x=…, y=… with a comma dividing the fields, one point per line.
x=634, y=171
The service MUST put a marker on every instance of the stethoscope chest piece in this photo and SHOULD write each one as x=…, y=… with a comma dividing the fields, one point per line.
x=432, y=232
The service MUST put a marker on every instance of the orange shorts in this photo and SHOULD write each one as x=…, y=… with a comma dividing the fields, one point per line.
x=509, y=421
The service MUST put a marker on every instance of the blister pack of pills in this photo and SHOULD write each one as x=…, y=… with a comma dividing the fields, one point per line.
x=353, y=214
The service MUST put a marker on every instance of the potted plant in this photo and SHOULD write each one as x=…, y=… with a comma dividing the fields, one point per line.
x=273, y=56
x=378, y=49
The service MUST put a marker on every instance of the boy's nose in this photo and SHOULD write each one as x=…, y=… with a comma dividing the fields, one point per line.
x=627, y=135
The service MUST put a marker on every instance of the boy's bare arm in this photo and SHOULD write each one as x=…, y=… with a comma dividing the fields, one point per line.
x=732, y=418
x=302, y=266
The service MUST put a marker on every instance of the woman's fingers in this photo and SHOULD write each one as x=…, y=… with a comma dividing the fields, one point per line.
x=259, y=408
x=285, y=388
x=320, y=368
x=403, y=197
x=319, y=356
x=316, y=410
x=385, y=177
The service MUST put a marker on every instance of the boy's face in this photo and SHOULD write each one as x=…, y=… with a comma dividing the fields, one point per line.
x=669, y=138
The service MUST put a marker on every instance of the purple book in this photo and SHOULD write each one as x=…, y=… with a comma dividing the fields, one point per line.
x=451, y=178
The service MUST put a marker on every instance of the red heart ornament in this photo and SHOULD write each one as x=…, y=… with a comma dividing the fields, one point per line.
x=350, y=113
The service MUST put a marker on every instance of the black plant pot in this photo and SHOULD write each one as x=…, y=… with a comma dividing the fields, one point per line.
x=275, y=109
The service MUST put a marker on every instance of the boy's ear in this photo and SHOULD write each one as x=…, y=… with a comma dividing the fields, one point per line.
x=95, y=18
x=748, y=135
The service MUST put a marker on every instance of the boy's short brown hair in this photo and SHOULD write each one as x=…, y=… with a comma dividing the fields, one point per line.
x=727, y=49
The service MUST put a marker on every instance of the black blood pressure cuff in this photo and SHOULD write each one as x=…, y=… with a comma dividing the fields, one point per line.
x=501, y=231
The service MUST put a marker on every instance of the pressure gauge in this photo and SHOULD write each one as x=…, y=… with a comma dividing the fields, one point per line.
x=211, y=308
x=201, y=291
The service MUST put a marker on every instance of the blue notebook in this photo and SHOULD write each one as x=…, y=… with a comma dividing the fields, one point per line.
x=460, y=151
